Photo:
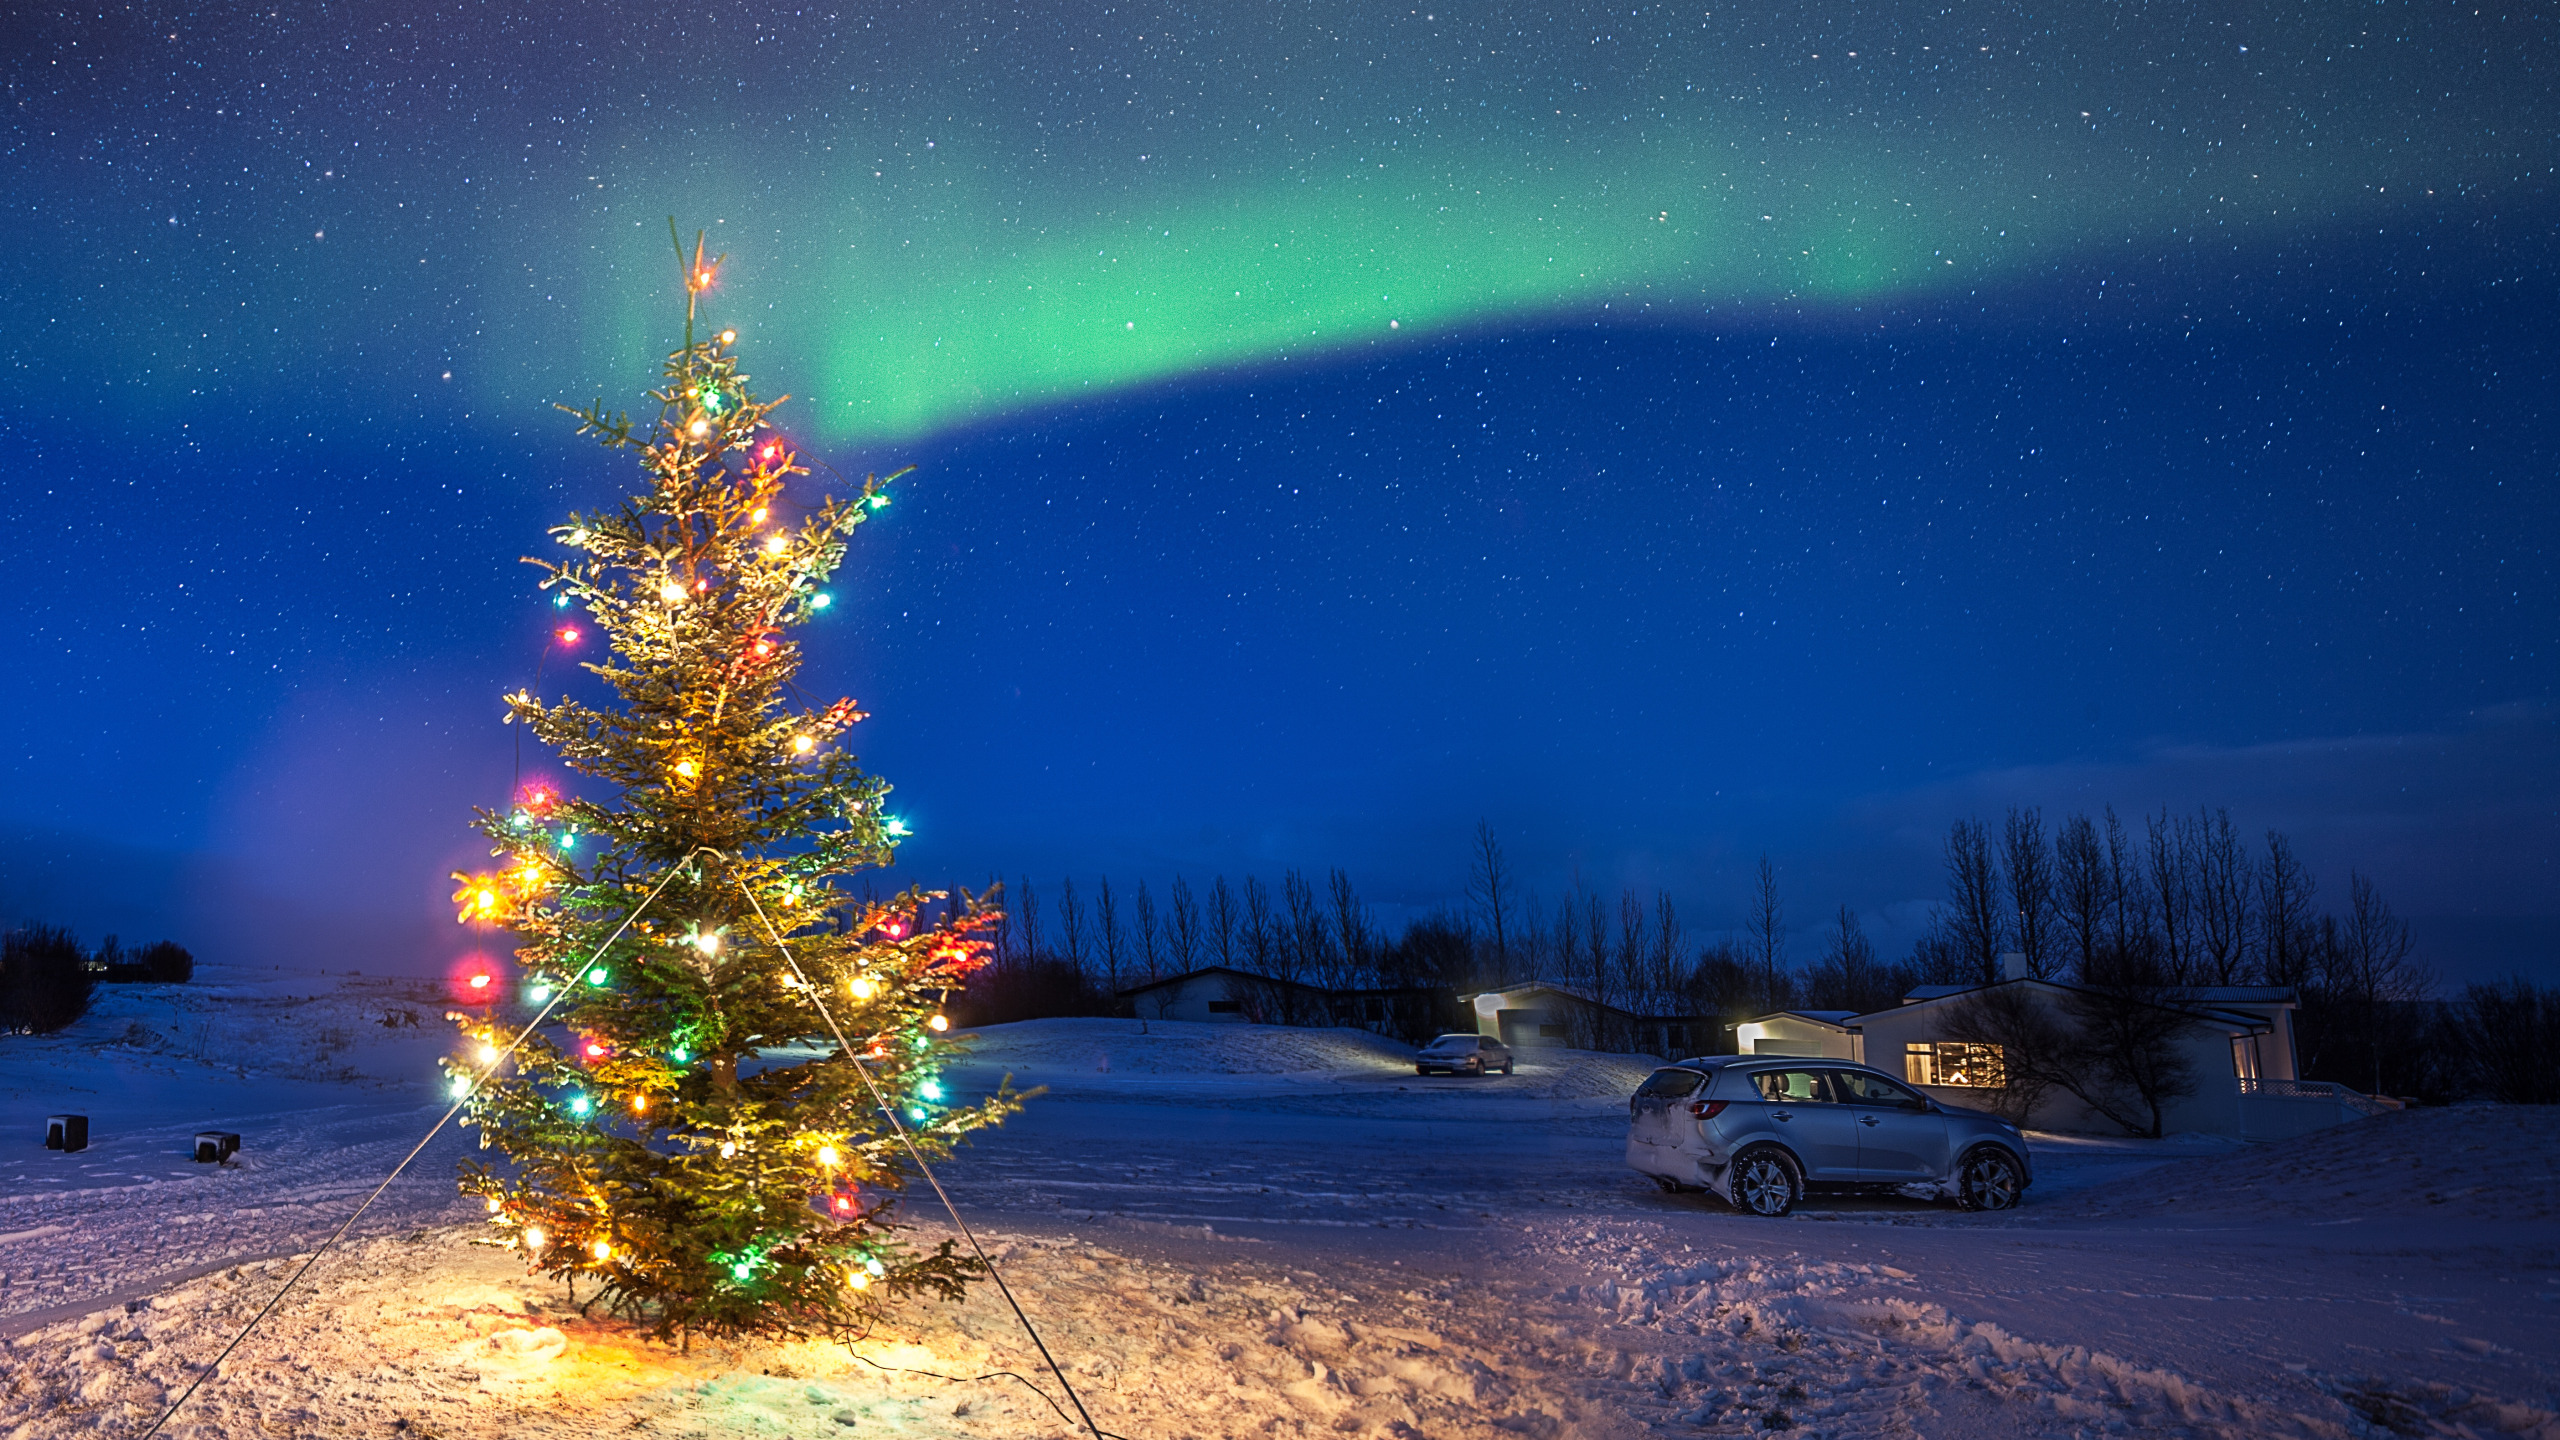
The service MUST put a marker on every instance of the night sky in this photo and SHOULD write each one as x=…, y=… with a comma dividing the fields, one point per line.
x=1670, y=433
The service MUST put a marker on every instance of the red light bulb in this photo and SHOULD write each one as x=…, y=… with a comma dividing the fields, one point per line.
x=568, y=634
x=479, y=982
x=594, y=1051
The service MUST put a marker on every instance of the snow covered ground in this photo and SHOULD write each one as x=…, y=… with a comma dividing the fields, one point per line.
x=1233, y=1231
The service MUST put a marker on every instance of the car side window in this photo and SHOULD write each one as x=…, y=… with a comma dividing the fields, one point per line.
x=1859, y=1088
x=1801, y=1086
x=1668, y=1084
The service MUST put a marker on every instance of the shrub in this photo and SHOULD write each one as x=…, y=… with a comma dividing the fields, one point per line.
x=2514, y=1026
x=45, y=980
x=169, y=962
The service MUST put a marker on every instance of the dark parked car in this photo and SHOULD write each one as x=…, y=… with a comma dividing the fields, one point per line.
x=1760, y=1129
x=1463, y=1055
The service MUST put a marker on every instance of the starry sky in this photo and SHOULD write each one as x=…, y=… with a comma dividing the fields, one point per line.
x=1672, y=434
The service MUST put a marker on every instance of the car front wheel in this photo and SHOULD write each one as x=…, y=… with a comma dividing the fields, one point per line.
x=1506, y=1067
x=1989, y=1179
x=1766, y=1183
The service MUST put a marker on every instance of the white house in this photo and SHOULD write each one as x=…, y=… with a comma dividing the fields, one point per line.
x=1826, y=1033
x=1217, y=993
x=1555, y=1013
x=2237, y=1041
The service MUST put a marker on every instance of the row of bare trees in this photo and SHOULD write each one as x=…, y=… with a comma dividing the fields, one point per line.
x=2172, y=902
x=2186, y=901
x=1125, y=936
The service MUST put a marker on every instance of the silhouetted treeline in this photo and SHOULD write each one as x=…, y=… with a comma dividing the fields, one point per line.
x=2171, y=902
x=47, y=980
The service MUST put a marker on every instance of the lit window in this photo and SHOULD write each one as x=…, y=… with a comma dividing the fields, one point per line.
x=1953, y=1062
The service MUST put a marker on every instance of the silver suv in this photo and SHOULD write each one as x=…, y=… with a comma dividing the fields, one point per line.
x=1759, y=1129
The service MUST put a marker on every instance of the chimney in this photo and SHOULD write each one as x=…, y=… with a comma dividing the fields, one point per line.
x=2013, y=966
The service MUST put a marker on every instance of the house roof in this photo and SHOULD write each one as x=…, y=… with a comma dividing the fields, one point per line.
x=1570, y=991
x=1142, y=989
x=2217, y=1004
x=1836, y=1019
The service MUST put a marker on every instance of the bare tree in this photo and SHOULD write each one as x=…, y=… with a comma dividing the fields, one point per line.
x=2128, y=1063
x=1766, y=928
x=1150, y=936
x=2081, y=891
x=1075, y=942
x=1027, y=943
x=1976, y=914
x=1260, y=947
x=1670, y=940
x=1305, y=949
x=2032, y=920
x=1531, y=947
x=2225, y=928
x=2169, y=866
x=1354, y=936
x=2128, y=902
x=2513, y=1030
x=1182, y=928
x=2114, y=1048
x=1848, y=976
x=1595, y=934
x=2013, y=1020
x=1634, y=974
x=1223, y=922
x=1489, y=890
x=1115, y=942
x=2285, y=926
x=2370, y=972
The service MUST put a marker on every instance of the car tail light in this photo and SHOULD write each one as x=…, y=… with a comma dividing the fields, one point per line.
x=1707, y=1109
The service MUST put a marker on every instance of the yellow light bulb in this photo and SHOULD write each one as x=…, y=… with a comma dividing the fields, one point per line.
x=533, y=1237
x=493, y=1204
x=699, y=428
x=603, y=1251
x=708, y=943
x=776, y=545
x=728, y=1149
x=488, y=1054
x=672, y=593
x=802, y=744
x=861, y=1280
x=687, y=769
x=862, y=989
x=640, y=1104
x=758, y=517
x=728, y=337
x=827, y=1156
x=939, y=1022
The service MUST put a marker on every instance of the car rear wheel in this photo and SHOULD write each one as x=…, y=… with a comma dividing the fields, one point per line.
x=1506, y=1067
x=1766, y=1183
x=1989, y=1179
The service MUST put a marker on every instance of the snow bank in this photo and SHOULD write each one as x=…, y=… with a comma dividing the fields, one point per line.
x=1181, y=1047
x=2467, y=1162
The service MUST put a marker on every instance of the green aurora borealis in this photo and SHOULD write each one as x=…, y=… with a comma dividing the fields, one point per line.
x=937, y=219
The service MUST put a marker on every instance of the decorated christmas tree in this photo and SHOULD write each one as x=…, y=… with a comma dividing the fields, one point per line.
x=704, y=1118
